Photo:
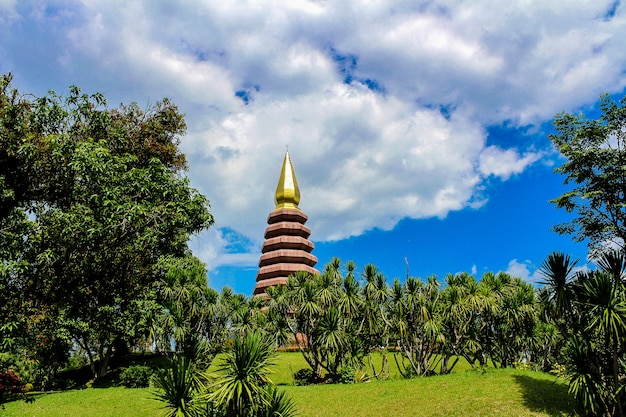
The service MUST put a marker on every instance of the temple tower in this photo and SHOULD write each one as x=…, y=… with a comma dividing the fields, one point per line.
x=286, y=249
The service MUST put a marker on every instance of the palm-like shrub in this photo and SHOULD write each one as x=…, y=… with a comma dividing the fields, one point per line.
x=323, y=315
x=181, y=387
x=242, y=386
x=590, y=311
x=277, y=404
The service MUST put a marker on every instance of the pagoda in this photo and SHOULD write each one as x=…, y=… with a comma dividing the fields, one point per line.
x=287, y=249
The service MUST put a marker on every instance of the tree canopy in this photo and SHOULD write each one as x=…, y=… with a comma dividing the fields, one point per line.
x=91, y=198
x=595, y=168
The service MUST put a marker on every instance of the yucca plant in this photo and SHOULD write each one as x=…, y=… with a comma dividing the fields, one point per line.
x=592, y=312
x=180, y=387
x=277, y=404
x=240, y=385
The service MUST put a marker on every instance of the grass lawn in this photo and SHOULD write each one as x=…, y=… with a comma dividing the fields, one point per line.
x=498, y=392
x=501, y=392
x=96, y=402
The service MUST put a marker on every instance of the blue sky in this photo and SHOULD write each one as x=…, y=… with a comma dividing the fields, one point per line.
x=417, y=129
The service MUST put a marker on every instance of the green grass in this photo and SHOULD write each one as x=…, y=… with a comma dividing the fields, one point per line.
x=289, y=362
x=96, y=402
x=503, y=392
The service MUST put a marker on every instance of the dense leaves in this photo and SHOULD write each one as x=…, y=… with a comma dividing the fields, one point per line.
x=589, y=309
x=595, y=167
x=91, y=199
x=322, y=315
x=240, y=386
x=338, y=320
x=180, y=387
x=11, y=386
x=244, y=376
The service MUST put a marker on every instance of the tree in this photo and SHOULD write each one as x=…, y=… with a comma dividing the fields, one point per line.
x=185, y=308
x=245, y=314
x=590, y=310
x=595, y=166
x=462, y=305
x=416, y=325
x=15, y=169
x=323, y=314
x=375, y=321
x=558, y=284
x=105, y=191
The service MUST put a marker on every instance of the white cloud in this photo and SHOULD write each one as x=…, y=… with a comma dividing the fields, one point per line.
x=504, y=162
x=7, y=6
x=531, y=273
x=413, y=144
x=524, y=270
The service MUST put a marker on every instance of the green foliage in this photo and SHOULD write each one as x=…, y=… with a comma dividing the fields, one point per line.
x=27, y=369
x=589, y=308
x=244, y=314
x=338, y=321
x=180, y=387
x=240, y=386
x=278, y=404
x=322, y=313
x=347, y=376
x=136, y=376
x=186, y=310
x=11, y=386
x=595, y=168
x=304, y=376
x=105, y=200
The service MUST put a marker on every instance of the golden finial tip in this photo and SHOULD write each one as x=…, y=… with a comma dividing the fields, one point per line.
x=287, y=191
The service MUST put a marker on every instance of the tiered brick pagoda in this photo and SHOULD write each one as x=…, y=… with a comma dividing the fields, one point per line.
x=286, y=249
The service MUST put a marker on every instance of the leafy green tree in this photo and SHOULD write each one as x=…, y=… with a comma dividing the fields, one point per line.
x=245, y=314
x=105, y=192
x=595, y=167
x=14, y=308
x=462, y=304
x=558, y=269
x=16, y=181
x=509, y=326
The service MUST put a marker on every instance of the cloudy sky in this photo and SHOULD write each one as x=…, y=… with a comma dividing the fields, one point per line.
x=417, y=129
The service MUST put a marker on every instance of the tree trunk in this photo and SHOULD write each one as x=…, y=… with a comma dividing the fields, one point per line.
x=617, y=395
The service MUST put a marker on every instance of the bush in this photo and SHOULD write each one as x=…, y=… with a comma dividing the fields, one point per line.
x=26, y=369
x=136, y=376
x=346, y=376
x=11, y=387
x=304, y=376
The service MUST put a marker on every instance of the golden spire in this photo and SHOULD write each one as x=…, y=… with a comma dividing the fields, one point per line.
x=287, y=191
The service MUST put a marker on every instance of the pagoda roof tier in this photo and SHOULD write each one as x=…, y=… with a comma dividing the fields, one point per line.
x=261, y=286
x=282, y=270
x=287, y=229
x=287, y=242
x=287, y=256
x=287, y=215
